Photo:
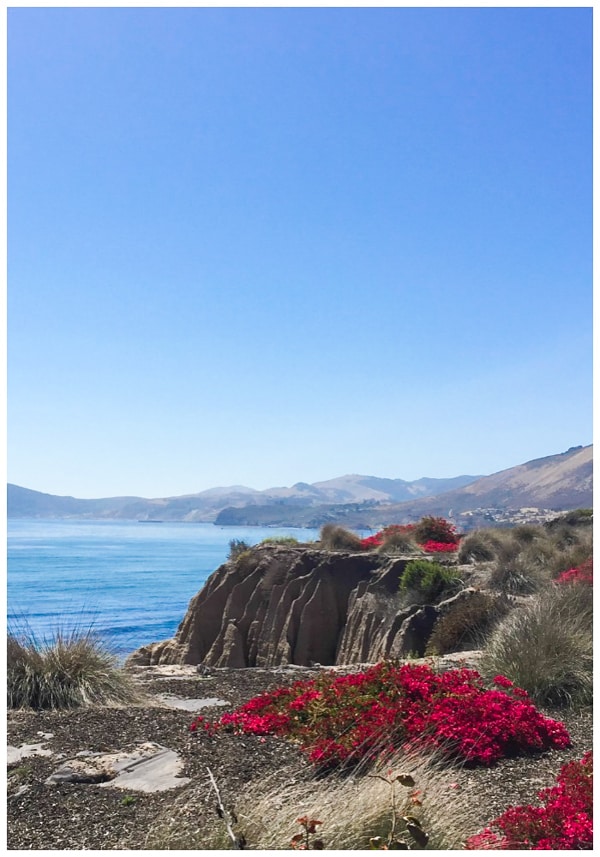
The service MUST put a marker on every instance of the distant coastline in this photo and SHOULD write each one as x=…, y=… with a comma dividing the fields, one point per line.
x=544, y=486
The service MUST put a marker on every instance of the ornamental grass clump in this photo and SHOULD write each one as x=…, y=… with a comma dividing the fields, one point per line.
x=343, y=720
x=396, y=539
x=369, y=809
x=546, y=646
x=69, y=670
x=479, y=546
x=521, y=569
x=333, y=537
x=562, y=823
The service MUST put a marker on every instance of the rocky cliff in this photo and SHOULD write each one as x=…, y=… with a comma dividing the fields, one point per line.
x=286, y=605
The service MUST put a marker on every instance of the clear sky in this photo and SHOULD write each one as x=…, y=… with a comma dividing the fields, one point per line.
x=260, y=246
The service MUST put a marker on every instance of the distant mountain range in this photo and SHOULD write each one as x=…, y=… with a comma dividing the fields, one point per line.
x=206, y=505
x=557, y=482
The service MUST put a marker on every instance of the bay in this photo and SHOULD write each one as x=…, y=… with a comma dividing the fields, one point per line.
x=130, y=581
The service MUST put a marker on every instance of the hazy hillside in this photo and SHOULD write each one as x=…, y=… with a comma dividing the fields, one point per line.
x=558, y=482
x=25, y=503
x=206, y=505
x=563, y=481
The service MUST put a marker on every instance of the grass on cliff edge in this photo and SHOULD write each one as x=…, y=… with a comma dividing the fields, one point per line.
x=68, y=670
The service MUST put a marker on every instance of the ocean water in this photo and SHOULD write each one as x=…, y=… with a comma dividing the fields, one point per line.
x=131, y=581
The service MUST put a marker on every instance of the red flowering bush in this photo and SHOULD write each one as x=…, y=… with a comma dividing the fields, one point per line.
x=562, y=823
x=430, y=529
x=387, y=534
x=343, y=719
x=372, y=541
x=434, y=535
x=583, y=573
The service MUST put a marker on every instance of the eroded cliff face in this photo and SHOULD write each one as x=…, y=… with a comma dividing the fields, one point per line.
x=285, y=605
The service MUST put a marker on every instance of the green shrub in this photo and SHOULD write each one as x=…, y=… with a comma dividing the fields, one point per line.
x=546, y=646
x=280, y=540
x=68, y=671
x=428, y=579
x=333, y=537
x=466, y=624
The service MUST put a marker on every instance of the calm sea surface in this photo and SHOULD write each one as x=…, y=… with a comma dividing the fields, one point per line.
x=131, y=580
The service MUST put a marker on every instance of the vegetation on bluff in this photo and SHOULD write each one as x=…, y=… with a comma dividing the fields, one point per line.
x=530, y=614
x=410, y=735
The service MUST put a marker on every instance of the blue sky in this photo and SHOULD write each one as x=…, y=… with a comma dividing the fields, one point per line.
x=258, y=246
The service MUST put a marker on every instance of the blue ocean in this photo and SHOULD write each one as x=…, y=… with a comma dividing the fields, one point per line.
x=131, y=581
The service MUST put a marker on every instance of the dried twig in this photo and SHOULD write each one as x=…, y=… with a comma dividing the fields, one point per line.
x=224, y=814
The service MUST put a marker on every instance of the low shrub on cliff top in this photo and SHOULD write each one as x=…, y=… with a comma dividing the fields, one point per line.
x=280, y=540
x=428, y=579
x=562, y=823
x=346, y=719
x=237, y=547
x=466, y=624
x=333, y=537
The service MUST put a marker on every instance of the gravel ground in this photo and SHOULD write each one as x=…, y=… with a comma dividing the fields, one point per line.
x=83, y=816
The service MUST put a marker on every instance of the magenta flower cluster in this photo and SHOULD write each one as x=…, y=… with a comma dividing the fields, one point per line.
x=583, y=573
x=343, y=719
x=434, y=535
x=562, y=823
x=439, y=547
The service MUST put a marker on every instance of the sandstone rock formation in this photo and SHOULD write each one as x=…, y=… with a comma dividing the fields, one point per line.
x=290, y=605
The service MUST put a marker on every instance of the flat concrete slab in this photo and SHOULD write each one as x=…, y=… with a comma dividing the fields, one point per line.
x=190, y=704
x=149, y=768
x=15, y=754
x=179, y=671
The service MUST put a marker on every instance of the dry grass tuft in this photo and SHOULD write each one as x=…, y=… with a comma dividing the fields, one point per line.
x=399, y=544
x=546, y=646
x=354, y=809
x=69, y=670
x=333, y=537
